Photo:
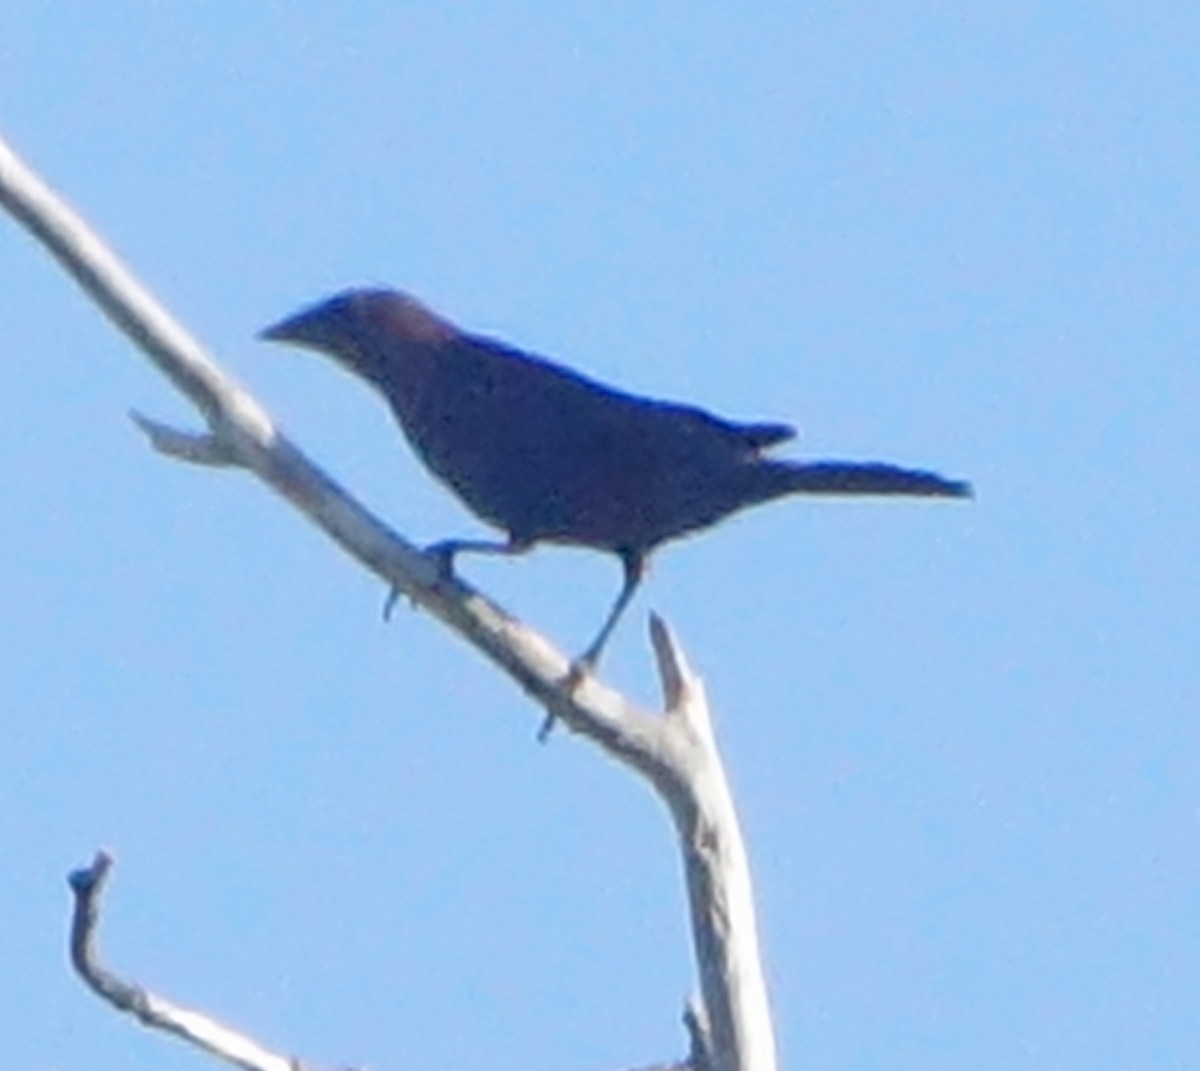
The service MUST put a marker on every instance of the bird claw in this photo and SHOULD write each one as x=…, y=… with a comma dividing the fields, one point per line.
x=443, y=557
x=389, y=604
x=547, y=726
x=580, y=670
x=393, y=597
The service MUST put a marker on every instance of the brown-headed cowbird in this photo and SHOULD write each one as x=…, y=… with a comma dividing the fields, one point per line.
x=547, y=455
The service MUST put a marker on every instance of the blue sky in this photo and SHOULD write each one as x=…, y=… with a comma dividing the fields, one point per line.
x=963, y=738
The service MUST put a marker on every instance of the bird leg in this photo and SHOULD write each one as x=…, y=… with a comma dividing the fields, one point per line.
x=634, y=564
x=443, y=553
x=635, y=568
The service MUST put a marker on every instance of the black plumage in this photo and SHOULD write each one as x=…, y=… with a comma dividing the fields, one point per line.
x=545, y=454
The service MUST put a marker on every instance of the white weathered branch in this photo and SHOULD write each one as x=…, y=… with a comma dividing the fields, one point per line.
x=676, y=750
x=158, y=1013
x=202, y=449
x=692, y=781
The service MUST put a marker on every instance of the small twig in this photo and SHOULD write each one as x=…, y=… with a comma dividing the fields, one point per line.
x=198, y=448
x=698, y=1043
x=700, y=1047
x=150, y=1010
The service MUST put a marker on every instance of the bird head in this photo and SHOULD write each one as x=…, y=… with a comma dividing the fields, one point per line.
x=362, y=328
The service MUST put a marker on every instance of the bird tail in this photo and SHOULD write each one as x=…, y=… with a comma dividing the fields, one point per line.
x=856, y=478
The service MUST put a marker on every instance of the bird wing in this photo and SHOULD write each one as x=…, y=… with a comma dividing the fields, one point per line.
x=559, y=384
x=763, y=436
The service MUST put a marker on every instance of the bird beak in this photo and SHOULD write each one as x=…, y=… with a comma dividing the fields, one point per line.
x=314, y=328
x=289, y=330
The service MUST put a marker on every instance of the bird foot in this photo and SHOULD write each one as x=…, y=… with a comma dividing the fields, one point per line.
x=443, y=557
x=442, y=554
x=580, y=669
x=389, y=604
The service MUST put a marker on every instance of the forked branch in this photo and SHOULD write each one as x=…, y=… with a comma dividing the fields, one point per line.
x=676, y=750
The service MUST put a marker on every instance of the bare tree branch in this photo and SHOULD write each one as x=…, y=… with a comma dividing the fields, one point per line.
x=676, y=751
x=203, y=449
x=151, y=1010
x=693, y=783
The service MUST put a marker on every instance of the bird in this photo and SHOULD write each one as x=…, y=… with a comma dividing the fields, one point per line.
x=546, y=455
